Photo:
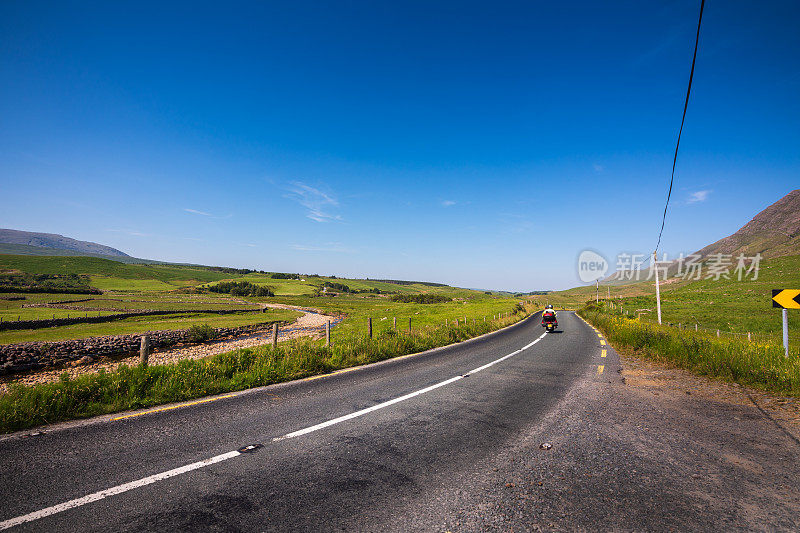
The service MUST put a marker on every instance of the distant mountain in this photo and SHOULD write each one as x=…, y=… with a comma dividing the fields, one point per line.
x=774, y=232
x=58, y=242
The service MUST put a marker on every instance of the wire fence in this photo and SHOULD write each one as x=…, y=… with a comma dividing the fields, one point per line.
x=693, y=325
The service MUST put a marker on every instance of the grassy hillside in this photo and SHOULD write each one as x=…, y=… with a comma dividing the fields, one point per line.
x=309, y=285
x=575, y=298
x=133, y=287
x=107, y=274
x=728, y=305
x=113, y=275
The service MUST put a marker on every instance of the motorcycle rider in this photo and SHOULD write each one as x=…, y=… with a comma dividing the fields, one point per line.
x=549, y=314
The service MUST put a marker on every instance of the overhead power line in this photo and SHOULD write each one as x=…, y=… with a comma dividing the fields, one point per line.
x=683, y=119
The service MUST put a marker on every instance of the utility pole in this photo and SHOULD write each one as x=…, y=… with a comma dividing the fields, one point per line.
x=597, y=291
x=658, y=291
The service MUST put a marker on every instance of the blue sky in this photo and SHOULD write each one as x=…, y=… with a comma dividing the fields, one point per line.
x=482, y=144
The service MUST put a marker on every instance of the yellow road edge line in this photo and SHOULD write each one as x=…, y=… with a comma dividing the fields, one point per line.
x=604, y=353
x=602, y=342
x=600, y=369
x=174, y=407
x=342, y=371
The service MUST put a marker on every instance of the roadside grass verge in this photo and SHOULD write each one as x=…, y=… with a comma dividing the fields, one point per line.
x=754, y=364
x=137, y=387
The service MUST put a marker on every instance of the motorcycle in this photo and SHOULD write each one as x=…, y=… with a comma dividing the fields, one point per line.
x=549, y=323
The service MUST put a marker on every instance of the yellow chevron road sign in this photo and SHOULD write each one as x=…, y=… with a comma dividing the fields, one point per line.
x=786, y=298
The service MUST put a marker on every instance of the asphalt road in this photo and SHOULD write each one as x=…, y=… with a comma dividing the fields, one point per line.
x=440, y=441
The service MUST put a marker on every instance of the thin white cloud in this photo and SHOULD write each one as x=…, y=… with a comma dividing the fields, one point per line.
x=516, y=223
x=319, y=204
x=327, y=247
x=203, y=213
x=598, y=167
x=132, y=233
x=196, y=212
x=448, y=203
x=699, y=196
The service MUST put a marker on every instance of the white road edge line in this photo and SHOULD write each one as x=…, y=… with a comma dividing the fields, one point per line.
x=119, y=489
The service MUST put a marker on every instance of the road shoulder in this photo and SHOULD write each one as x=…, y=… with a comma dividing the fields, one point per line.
x=642, y=447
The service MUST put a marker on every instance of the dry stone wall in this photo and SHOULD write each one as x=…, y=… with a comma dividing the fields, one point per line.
x=25, y=356
x=53, y=322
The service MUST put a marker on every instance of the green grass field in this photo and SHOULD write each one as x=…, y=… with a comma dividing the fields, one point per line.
x=358, y=308
x=142, y=324
x=131, y=287
x=109, y=304
x=729, y=305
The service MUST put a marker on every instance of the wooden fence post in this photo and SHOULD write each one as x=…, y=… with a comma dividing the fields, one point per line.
x=394, y=322
x=717, y=333
x=328, y=333
x=369, y=322
x=144, y=350
x=748, y=336
x=274, y=335
x=409, y=324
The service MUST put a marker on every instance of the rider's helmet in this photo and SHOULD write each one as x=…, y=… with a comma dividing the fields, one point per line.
x=548, y=306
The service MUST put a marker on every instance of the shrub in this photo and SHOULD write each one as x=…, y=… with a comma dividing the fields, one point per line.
x=283, y=275
x=341, y=287
x=240, y=288
x=201, y=333
x=263, y=291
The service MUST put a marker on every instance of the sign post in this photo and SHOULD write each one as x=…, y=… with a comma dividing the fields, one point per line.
x=785, y=332
x=786, y=299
